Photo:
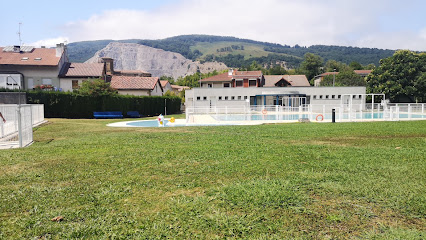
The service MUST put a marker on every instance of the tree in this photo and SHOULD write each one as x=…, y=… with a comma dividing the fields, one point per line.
x=344, y=79
x=400, y=77
x=355, y=65
x=96, y=87
x=311, y=65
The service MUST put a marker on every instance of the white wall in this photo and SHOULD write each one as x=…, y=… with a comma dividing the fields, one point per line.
x=210, y=96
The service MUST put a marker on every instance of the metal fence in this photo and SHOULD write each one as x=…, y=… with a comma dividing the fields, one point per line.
x=343, y=112
x=20, y=119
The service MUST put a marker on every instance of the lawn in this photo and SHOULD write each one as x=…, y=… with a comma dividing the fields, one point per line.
x=280, y=181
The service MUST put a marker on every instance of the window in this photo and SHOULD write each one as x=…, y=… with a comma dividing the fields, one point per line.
x=333, y=96
x=37, y=59
x=320, y=96
x=326, y=96
x=220, y=98
x=209, y=85
x=24, y=59
x=239, y=97
x=202, y=84
x=226, y=97
x=339, y=96
x=204, y=98
x=226, y=85
x=360, y=96
x=198, y=98
x=74, y=84
x=314, y=97
x=245, y=97
x=232, y=98
x=252, y=83
x=354, y=96
x=30, y=83
x=239, y=83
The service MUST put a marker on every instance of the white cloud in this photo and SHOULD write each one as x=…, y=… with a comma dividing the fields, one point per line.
x=303, y=22
x=51, y=42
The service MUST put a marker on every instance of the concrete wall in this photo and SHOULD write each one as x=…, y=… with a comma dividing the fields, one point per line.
x=13, y=97
x=134, y=92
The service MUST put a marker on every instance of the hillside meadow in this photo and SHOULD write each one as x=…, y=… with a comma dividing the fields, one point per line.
x=280, y=181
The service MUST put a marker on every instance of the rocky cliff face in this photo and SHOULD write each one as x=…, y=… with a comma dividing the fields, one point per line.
x=131, y=56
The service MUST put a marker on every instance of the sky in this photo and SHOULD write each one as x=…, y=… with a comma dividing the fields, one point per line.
x=384, y=24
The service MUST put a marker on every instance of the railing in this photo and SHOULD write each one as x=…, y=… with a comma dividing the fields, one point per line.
x=343, y=112
x=31, y=115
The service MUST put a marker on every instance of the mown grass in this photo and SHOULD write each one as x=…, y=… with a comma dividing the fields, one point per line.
x=298, y=181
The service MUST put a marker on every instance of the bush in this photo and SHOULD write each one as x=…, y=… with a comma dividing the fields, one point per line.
x=71, y=105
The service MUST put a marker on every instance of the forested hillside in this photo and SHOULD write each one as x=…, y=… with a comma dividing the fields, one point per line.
x=236, y=52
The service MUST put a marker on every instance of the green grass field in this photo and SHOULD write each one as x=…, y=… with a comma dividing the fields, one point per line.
x=281, y=181
x=250, y=50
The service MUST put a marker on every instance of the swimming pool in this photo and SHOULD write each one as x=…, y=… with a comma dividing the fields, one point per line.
x=255, y=119
x=297, y=116
x=154, y=123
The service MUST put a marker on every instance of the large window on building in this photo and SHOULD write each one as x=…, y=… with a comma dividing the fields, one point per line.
x=239, y=83
x=252, y=83
x=226, y=85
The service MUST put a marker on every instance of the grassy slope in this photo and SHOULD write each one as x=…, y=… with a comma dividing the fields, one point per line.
x=250, y=50
x=271, y=181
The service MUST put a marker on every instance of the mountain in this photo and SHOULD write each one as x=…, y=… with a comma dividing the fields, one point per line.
x=236, y=52
x=132, y=56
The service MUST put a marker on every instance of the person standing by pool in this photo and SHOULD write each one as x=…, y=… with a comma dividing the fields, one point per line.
x=1, y=115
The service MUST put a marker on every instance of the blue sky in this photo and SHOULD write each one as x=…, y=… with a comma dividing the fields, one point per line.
x=388, y=24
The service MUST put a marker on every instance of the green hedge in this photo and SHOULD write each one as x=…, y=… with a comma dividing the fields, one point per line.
x=70, y=105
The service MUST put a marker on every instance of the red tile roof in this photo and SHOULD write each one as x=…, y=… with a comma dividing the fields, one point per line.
x=328, y=73
x=225, y=77
x=363, y=72
x=84, y=70
x=247, y=74
x=294, y=80
x=46, y=56
x=128, y=82
x=163, y=83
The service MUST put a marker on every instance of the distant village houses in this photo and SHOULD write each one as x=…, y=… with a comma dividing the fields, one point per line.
x=27, y=67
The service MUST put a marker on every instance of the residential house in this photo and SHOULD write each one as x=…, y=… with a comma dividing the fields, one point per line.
x=234, y=79
x=166, y=86
x=28, y=66
x=73, y=74
x=319, y=78
x=177, y=89
x=138, y=86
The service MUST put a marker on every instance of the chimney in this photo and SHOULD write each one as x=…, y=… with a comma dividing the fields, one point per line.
x=59, y=49
x=109, y=65
x=230, y=72
x=17, y=49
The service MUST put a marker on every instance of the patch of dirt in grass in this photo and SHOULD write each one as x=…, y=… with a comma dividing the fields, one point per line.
x=344, y=218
